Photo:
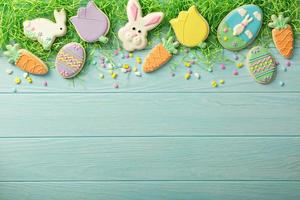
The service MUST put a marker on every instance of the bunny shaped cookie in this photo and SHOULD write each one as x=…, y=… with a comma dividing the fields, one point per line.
x=134, y=34
x=44, y=30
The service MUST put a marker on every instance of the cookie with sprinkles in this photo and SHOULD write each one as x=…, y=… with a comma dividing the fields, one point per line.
x=70, y=60
x=261, y=65
x=240, y=27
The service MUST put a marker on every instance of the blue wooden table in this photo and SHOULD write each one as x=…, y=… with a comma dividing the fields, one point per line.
x=156, y=137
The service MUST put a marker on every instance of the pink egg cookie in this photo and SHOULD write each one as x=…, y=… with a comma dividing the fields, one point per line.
x=70, y=60
x=91, y=23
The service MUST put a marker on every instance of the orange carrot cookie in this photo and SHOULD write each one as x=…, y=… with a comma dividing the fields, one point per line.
x=25, y=60
x=283, y=36
x=160, y=55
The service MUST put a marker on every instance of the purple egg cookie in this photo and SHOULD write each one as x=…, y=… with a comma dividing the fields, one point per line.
x=91, y=23
x=70, y=60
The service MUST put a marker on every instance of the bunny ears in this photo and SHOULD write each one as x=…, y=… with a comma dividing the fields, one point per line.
x=134, y=13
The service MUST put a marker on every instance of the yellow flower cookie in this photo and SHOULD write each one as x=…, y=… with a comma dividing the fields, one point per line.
x=190, y=27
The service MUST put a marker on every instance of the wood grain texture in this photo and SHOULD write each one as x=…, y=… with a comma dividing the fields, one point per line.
x=160, y=81
x=150, y=159
x=99, y=115
x=151, y=190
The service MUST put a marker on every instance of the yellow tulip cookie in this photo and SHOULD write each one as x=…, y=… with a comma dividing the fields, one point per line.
x=190, y=27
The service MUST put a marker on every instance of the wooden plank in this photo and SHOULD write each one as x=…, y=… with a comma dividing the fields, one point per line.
x=151, y=190
x=99, y=115
x=121, y=159
x=160, y=81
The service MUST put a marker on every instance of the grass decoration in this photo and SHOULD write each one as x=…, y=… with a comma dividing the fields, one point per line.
x=14, y=12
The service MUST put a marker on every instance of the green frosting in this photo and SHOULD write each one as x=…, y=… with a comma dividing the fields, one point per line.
x=229, y=41
x=12, y=53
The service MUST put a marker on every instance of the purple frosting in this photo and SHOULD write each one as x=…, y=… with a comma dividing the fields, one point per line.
x=91, y=23
x=70, y=60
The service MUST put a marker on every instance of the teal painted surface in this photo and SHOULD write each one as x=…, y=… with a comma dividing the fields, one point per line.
x=156, y=137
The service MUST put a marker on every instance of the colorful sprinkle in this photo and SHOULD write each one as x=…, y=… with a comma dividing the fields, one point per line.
x=18, y=80
x=45, y=84
x=225, y=39
x=9, y=71
x=135, y=69
x=222, y=82
x=187, y=76
x=139, y=60
x=239, y=65
x=25, y=75
x=130, y=55
x=101, y=76
x=225, y=30
x=116, y=52
x=288, y=63
x=29, y=80
x=14, y=90
x=281, y=83
x=126, y=66
x=235, y=72
x=223, y=67
x=114, y=75
x=214, y=84
x=138, y=74
x=116, y=85
x=197, y=75
x=236, y=57
x=187, y=64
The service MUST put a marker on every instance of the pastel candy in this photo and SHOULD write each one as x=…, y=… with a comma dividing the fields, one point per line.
x=261, y=65
x=70, y=60
x=240, y=27
x=91, y=23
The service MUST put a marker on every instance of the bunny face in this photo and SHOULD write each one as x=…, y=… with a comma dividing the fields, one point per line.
x=60, y=18
x=134, y=33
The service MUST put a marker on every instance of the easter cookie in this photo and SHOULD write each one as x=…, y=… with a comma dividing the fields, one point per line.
x=44, y=30
x=160, y=55
x=134, y=34
x=70, y=60
x=25, y=60
x=261, y=65
x=283, y=35
x=190, y=27
x=91, y=23
x=240, y=27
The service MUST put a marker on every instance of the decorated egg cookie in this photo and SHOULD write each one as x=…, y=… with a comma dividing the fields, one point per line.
x=70, y=60
x=134, y=34
x=240, y=27
x=261, y=65
x=190, y=27
x=44, y=30
x=91, y=23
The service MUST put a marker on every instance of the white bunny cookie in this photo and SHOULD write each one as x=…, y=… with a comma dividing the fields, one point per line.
x=134, y=34
x=44, y=30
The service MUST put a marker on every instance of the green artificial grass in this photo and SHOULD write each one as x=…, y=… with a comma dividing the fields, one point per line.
x=14, y=12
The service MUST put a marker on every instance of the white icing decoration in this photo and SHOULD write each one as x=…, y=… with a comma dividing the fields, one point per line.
x=257, y=15
x=239, y=28
x=44, y=30
x=242, y=12
x=249, y=34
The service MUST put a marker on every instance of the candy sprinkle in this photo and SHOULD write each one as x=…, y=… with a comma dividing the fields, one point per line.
x=214, y=84
x=130, y=55
x=29, y=80
x=138, y=74
x=9, y=71
x=139, y=60
x=288, y=63
x=187, y=76
x=18, y=81
x=222, y=82
x=223, y=67
x=235, y=72
x=239, y=65
x=197, y=75
x=25, y=75
x=101, y=76
x=45, y=83
x=116, y=85
x=114, y=75
x=281, y=83
x=187, y=64
x=135, y=69
x=126, y=66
